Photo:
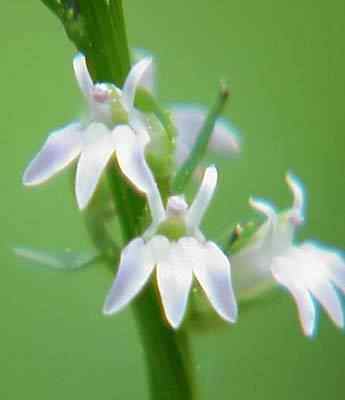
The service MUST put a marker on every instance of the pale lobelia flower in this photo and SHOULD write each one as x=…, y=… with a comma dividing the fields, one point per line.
x=176, y=249
x=189, y=120
x=308, y=271
x=111, y=113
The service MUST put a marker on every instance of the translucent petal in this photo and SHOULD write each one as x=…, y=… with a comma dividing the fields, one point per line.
x=325, y=265
x=328, y=298
x=92, y=162
x=131, y=159
x=174, y=277
x=337, y=267
x=59, y=150
x=332, y=260
x=203, y=198
x=283, y=273
x=189, y=120
x=63, y=260
x=82, y=75
x=133, y=81
x=306, y=309
x=134, y=271
x=213, y=273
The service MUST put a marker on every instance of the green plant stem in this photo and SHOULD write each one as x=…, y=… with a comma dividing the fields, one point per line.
x=169, y=377
x=200, y=147
x=97, y=29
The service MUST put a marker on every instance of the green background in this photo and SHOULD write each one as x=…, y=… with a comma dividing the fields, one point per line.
x=285, y=62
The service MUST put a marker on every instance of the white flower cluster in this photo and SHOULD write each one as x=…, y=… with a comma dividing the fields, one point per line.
x=173, y=246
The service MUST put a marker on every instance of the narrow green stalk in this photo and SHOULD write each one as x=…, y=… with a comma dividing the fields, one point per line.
x=199, y=150
x=169, y=377
x=97, y=29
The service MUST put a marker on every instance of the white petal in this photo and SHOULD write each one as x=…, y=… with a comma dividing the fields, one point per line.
x=332, y=260
x=134, y=270
x=148, y=79
x=314, y=267
x=131, y=159
x=158, y=248
x=133, y=81
x=306, y=309
x=283, y=273
x=174, y=277
x=269, y=227
x=59, y=150
x=213, y=273
x=82, y=75
x=328, y=298
x=297, y=190
x=92, y=162
x=189, y=121
x=203, y=198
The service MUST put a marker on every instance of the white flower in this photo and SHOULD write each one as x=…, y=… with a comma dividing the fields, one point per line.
x=92, y=140
x=189, y=120
x=308, y=271
x=176, y=249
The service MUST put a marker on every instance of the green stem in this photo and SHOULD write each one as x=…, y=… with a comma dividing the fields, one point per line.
x=97, y=28
x=200, y=147
x=169, y=376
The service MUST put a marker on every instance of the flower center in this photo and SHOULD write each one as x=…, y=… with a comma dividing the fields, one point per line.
x=119, y=115
x=102, y=92
x=173, y=228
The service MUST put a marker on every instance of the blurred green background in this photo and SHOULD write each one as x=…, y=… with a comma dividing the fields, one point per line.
x=285, y=62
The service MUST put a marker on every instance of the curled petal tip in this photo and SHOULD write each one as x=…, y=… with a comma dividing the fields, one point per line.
x=26, y=181
x=146, y=61
x=134, y=79
x=174, y=324
x=230, y=315
x=298, y=192
x=82, y=204
x=261, y=206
